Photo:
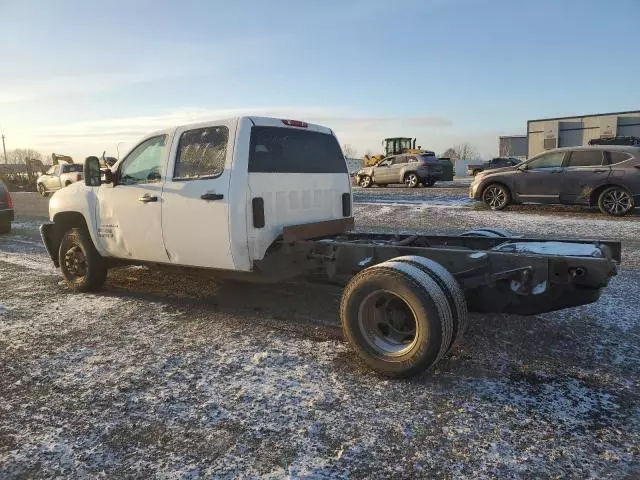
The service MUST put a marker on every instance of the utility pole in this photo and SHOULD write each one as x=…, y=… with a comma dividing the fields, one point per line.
x=6, y=160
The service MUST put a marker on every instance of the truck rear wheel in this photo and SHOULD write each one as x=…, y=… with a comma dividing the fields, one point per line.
x=5, y=227
x=397, y=319
x=451, y=289
x=83, y=268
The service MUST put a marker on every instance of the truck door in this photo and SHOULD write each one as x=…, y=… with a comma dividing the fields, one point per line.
x=584, y=171
x=128, y=214
x=195, y=197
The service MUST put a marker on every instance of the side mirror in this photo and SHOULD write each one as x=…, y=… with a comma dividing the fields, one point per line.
x=92, y=172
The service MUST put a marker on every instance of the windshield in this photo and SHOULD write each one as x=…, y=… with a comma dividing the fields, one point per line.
x=76, y=167
x=288, y=150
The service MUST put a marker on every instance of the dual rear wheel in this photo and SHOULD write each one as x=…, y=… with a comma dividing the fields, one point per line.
x=404, y=315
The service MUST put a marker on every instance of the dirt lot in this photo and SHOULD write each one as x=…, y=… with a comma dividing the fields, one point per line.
x=185, y=377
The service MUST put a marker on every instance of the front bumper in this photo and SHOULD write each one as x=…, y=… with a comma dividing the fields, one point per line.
x=6, y=216
x=474, y=191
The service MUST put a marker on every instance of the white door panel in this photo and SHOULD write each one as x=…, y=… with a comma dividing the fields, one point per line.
x=128, y=227
x=195, y=209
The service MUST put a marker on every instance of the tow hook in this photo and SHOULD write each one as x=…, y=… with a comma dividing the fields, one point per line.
x=578, y=272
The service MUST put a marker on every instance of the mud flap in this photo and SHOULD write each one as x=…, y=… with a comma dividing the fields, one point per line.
x=51, y=239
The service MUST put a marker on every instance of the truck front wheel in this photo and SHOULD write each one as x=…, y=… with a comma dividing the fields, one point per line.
x=83, y=268
x=397, y=319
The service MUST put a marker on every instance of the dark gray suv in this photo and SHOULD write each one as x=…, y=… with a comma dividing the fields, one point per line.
x=607, y=176
x=410, y=169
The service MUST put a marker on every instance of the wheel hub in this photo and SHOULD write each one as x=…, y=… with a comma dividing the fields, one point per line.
x=494, y=197
x=387, y=323
x=617, y=202
x=75, y=262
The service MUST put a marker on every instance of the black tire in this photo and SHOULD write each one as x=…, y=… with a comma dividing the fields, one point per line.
x=450, y=287
x=83, y=268
x=67, y=183
x=489, y=233
x=365, y=181
x=496, y=196
x=42, y=190
x=411, y=180
x=5, y=228
x=616, y=201
x=426, y=309
x=429, y=182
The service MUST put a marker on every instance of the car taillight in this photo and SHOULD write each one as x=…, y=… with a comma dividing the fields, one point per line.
x=295, y=123
x=9, y=199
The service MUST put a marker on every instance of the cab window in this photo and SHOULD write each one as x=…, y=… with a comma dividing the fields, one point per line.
x=144, y=163
x=201, y=153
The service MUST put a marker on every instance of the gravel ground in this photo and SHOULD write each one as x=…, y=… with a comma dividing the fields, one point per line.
x=171, y=376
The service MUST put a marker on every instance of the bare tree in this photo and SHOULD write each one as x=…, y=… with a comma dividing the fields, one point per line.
x=21, y=155
x=349, y=151
x=462, y=151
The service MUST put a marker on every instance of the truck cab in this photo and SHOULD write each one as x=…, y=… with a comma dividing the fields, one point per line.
x=215, y=194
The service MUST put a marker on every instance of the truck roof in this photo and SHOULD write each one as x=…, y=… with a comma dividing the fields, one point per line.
x=256, y=120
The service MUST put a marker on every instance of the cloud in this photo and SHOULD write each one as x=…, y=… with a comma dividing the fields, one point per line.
x=63, y=85
x=361, y=131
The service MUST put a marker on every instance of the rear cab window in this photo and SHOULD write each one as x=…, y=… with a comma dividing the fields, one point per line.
x=201, y=153
x=293, y=150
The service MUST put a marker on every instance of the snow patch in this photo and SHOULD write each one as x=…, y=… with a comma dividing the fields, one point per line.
x=563, y=249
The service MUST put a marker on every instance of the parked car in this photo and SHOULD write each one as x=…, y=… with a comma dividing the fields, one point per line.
x=6, y=209
x=59, y=176
x=410, y=169
x=606, y=176
x=498, y=162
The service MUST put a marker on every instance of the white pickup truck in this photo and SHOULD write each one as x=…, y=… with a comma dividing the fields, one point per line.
x=270, y=199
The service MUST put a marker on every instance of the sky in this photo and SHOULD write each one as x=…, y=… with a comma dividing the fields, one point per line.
x=79, y=77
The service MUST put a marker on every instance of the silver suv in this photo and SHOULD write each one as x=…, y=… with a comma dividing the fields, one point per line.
x=410, y=169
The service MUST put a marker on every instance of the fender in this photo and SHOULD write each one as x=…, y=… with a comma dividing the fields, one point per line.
x=78, y=198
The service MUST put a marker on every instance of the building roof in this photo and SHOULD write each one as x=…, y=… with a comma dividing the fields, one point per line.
x=583, y=116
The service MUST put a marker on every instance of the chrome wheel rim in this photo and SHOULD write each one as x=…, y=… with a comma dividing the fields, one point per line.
x=388, y=323
x=495, y=197
x=617, y=202
x=411, y=180
x=75, y=262
x=365, y=181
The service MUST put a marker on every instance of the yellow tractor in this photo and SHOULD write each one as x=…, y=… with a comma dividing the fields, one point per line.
x=393, y=146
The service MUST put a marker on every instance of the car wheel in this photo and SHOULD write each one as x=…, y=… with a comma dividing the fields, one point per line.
x=496, y=196
x=41, y=190
x=616, y=201
x=83, y=268
x=429, y=182
x=411, y=180
x=365, y=181
x=5, y=227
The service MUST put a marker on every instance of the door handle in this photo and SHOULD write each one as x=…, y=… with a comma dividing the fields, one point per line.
x=146, y=198
x=600, y=170
x=212, y=196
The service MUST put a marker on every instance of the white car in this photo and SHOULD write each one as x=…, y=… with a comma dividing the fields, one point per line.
x=59, y=176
